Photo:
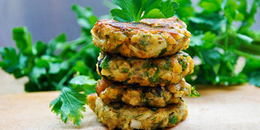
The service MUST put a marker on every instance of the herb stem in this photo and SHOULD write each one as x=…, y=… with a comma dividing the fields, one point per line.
x=250, y=48
x=64, y=79
x=246, y=55
x=78, y=54
x=79, y=40
x=227, y=35
x=70, y=72
x=220, y=46
x=221, y=37
x=245, y=24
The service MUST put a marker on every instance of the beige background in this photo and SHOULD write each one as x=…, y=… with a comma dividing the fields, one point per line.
x=9, y=85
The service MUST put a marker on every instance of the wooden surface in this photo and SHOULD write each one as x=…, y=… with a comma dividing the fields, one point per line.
x=236, y=107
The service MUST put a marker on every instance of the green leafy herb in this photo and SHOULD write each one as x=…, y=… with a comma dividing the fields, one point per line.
x=70, y=103
x=254, y=78
x=135, y=10
x=155, y=77
x=168, y=65
x=118, y=115
x=160, y=123
x=125, y=70
x=154, y=118
x=147, y=64
x=183, y=64
x=173, y=120
x=138, y=115
x=84, y=82
x=105, y=61
x=162, y=52
x=129, y=74
x=49, y=66
x=219, y=43
x=86, y=18
x=194, y=92
x=185, y=10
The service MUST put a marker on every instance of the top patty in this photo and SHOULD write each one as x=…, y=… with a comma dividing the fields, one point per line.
x=150, y=38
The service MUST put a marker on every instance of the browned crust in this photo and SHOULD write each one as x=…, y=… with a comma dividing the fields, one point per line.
x=126, y=38
x=127, y=117
x=111, y=92
x=146, y=72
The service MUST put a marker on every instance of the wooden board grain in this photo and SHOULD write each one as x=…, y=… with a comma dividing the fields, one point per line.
x=218, y=108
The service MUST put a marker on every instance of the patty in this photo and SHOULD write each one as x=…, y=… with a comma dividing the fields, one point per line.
x=127, y=117
x=146, y=72
x=149, y=38
x=111, y=92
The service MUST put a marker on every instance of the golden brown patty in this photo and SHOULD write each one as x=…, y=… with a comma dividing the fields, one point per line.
x=145, y=72
x=135, y=95
x=129, y=117
x=150, y=38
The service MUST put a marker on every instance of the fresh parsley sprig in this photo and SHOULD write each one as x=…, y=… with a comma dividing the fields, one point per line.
x=135, y=10
x=70, y=103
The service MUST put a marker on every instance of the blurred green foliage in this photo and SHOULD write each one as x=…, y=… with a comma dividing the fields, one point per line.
x=218, y=43
x=50, y=66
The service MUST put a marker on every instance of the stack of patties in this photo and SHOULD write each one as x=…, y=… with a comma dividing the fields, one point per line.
x=143, y=69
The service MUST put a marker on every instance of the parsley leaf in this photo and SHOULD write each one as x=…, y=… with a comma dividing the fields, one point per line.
x=155, y=78
x=173, y=120
x=210, y=5
x=211, y=57
x=23, y=40
x=86, y=18
x=10, y=62
x=185, y=10
x=70, y=103
x=135, y=10
x=248, y=16
x=254, y=78
x=194, y=92
x=105, y=61
x=84, y=82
